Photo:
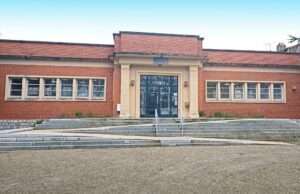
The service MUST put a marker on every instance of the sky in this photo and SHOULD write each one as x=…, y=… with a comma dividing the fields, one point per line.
x=231, y=24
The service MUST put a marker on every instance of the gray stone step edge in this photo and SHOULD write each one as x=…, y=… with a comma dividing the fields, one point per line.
x=122, y=145
x=9, y=131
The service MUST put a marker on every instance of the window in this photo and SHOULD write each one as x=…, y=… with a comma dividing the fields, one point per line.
x=255, y=92
x=212, y=90
x=277, y=91
x=82, y=87
x=66, y=87
x=50, y=87
x=264, y=91
x=33, y=88
x=238, y=91
x=15, y=86
x=251, y=90
x=98, y=88
x=225, y=90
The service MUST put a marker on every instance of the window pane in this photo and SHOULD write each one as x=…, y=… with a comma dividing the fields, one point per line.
x=83, y=88
x=98, y=88
x=277, y=91
x=33, y=86
x=225, y=90
x=15, y=86
x=264, y=90
x=212, y=90
x=50, y=87
x=251, y=90
x=67, y=87
x=238, y=89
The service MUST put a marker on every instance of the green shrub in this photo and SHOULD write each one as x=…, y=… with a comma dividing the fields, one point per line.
x=78, y=114
x=218, y=114
x=223, y=115
x=201, y=113
x=90, y=114
x=39, y=122
x=230, y=115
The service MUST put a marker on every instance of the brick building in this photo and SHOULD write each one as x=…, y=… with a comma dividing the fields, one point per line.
x=142, y=72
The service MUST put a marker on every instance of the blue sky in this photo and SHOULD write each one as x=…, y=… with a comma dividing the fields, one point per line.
x=232, y=24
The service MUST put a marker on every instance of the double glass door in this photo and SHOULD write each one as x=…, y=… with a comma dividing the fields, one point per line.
x=159, y=92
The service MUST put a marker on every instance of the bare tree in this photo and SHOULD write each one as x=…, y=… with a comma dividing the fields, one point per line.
x=293, y=39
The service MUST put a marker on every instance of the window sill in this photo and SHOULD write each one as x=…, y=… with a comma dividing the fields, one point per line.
x=53, y=99
x=102, y=99
x=65, y=98
x=14, y=98
x=82, y=98
x=247, y=101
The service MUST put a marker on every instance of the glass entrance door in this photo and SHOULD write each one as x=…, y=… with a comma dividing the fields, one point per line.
x=159, y=92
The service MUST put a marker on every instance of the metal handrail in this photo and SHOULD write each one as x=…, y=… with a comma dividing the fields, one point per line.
x=156, y=124
x=181, y=125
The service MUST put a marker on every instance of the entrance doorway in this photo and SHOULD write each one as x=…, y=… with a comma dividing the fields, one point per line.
x=159, y=92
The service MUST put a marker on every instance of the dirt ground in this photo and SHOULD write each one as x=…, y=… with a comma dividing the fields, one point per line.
x=202, y=169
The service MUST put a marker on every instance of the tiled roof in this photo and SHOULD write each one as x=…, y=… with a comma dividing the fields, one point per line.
x=54, y=49
x=250, y=57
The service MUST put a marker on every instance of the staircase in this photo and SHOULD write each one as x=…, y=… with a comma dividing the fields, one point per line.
x=209, y=129
x=95, y=122
x=33, y=142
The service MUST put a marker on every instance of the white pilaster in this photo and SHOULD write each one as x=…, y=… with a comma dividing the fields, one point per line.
x=125, y=103
x=193, y=86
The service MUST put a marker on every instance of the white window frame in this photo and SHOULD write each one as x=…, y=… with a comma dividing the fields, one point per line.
x=270, y=91
x=58, y=96
x=245, y=96
x=217, y=93
x=229, y=92
x=8, y=87
x=256, y=91
x=243, y=90
x=44, y=86
x=92, y=89
x=27, y=87
x=60, y=91
x=282, y=92
x=88, y=88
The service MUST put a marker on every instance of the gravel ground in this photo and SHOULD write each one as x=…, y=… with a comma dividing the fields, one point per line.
x=202, y=169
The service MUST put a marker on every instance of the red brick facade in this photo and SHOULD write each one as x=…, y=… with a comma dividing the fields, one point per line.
x=290, y=109
x=250, y=57
x=45, y=49
x=46, y=109
x=143, y=43
x=167, y=44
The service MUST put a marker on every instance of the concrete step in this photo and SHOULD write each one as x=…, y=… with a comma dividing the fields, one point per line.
x=185, y=129
x=98, y=122
x=16, y=124
x=82, y=145
x=77, y=146
x=168, y=123
x=174, y=142
x=10, y=143
x=87, y=142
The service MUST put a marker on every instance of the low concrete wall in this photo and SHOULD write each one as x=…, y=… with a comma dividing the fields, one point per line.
x=16, y=124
